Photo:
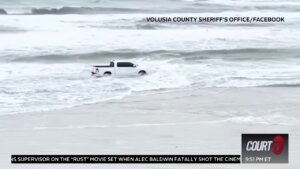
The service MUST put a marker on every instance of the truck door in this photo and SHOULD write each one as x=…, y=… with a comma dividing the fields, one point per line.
x=125, y=69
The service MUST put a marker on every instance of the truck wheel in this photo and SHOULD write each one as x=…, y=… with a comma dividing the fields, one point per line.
x=142, y=72
x=107, y=74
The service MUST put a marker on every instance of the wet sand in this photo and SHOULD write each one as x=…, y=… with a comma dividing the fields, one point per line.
x=181, y=121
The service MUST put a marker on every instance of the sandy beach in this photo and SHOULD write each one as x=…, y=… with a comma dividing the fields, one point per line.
x=181, y=121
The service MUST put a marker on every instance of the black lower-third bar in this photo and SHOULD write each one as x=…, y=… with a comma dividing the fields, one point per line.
x=52, y=159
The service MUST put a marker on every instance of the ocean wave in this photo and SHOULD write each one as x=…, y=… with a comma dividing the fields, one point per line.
x=224, y=54
x=8, y=29
x=199, y=9
x=50, y=85
x=2, y=12
x=272, y=119
x=279, y=8
x=139, y=25
x=214, y=7
x=282, y=85
x=82, y=10
x=142, y=25
x=203, y=7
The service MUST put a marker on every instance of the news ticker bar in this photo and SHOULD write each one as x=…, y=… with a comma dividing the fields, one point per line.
x=56, y=159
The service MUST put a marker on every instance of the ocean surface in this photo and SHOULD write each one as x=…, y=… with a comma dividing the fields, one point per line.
x=47, y=48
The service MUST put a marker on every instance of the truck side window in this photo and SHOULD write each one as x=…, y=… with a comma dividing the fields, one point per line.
x=125, y=64
x=111, y=64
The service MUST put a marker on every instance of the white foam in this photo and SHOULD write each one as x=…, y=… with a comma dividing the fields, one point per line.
x=53, y=86
x=29, y=87
x=71, y=127
x=269, y=119
x=67, y=34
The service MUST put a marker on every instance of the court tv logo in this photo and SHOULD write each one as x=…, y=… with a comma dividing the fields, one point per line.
x=265, y=148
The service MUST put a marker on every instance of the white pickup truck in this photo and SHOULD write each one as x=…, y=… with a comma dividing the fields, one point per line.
x=117, y=68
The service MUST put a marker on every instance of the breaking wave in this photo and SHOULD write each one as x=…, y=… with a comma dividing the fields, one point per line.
x=190, y=7
x=2, y=11
x=224, y=54
x=82, y=10
x=198, y=9
x=282, y=85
